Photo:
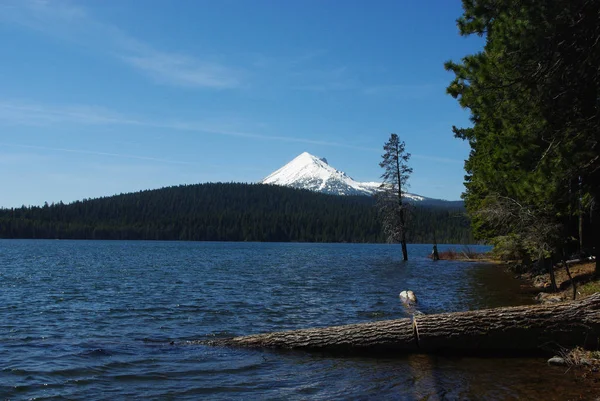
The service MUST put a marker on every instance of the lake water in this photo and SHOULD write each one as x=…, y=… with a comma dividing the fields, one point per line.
x=94, y=320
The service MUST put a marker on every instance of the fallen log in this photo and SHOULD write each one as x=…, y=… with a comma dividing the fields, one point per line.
x=521, y=329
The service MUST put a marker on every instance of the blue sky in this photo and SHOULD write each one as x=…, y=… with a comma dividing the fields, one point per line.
x=104, y=97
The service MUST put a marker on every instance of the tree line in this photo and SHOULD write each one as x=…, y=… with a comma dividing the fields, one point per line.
x=227, y=212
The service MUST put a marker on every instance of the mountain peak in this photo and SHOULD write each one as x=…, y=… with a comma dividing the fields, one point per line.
x=307, y=171
x=307, y=158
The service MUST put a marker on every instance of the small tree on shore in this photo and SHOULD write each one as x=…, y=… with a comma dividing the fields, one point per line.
x=390, y=199
x=536, y=229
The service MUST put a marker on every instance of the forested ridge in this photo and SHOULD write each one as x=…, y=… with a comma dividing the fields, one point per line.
x=228, y=212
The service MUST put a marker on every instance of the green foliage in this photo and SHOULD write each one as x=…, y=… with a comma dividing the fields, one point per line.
x=223, y=212
x=509, y=247
x=392, y=209
x=395, y=164
x=534, y=97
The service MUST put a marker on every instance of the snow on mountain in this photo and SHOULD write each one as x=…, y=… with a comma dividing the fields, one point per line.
x=310, y=172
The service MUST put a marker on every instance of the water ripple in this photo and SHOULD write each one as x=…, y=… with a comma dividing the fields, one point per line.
x=99, y=320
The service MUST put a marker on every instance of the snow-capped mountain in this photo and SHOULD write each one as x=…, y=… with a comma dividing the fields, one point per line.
x=310, y=172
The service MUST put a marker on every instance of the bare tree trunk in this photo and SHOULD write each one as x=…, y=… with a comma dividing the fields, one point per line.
x=403, y=240
x=570, y=278
x=524, y=329
x=402, y=220
x=434, y=254
x=550, y=267
x=580, y=229
x=580, y=213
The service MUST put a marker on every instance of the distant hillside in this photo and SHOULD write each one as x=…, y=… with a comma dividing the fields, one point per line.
x=227, y=212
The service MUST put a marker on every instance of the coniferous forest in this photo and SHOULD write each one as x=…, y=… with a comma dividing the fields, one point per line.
x=229, y=212
x=533, y=92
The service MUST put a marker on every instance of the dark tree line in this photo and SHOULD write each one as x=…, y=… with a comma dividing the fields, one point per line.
x=226, y=212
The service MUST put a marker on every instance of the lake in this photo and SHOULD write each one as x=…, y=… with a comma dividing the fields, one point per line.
x=94, y=320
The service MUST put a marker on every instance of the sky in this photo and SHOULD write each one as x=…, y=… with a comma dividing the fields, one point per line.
x=101, y=97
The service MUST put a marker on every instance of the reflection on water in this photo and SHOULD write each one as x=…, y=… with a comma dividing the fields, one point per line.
x=94, y=320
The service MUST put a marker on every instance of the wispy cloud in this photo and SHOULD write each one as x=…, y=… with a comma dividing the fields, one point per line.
x=325, y=79
x=285, y=62
x=183, y=70
x=31, y=114
x=75, y=24
x=21, y=158
x=18, y=113
x=307, y=70
x=91, y=152
x=343, y=79
x=435, y=159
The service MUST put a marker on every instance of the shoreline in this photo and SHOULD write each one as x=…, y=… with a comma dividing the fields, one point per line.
x=583, y=277
x=582, y=273
x=587, y=362
x=538, y=285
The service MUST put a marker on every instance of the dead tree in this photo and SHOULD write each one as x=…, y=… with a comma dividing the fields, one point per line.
x=521, y=329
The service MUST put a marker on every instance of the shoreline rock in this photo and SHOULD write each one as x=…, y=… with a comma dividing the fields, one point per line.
x=557, y=361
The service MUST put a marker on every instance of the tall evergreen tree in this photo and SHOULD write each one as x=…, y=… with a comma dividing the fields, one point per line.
x=392, y=208
x=534, y=97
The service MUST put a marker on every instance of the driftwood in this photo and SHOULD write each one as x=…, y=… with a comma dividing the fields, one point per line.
x=521, y=329
x=577, y=261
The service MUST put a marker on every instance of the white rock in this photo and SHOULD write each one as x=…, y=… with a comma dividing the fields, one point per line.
x=557, y=361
